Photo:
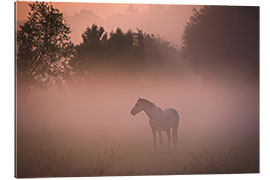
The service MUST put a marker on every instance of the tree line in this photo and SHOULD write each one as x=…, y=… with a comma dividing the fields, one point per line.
x=125, y=51
x=218, y=41
x=223, y=41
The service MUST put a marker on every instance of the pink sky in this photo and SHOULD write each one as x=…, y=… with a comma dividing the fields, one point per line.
x=166, y=20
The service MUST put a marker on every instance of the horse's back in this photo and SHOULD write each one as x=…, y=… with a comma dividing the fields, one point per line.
x=164, y=119
x=173, y=114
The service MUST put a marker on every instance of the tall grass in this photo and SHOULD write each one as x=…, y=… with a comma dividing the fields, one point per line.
x=229, y=161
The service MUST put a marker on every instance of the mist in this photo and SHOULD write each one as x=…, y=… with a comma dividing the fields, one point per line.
x=78, y=124
x=166, y=20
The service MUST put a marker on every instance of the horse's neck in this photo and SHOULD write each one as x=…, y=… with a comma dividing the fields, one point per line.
x=152, y=112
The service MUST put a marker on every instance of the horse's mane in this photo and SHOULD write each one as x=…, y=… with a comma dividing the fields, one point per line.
x=148, y=103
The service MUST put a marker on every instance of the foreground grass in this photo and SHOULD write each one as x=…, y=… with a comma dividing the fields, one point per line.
x=46, y=161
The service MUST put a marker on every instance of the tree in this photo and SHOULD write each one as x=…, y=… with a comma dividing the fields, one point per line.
x=94, y=39
x=43, y=47
x=160, y=53
x=122, y=50
x=92, y=48
x=223, y=42
x=98, y=49
x=126, y=48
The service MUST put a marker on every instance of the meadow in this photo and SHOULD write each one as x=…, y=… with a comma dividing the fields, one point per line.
x=89, y=131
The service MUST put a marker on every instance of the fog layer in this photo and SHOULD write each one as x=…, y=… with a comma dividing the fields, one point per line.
x=81, y=122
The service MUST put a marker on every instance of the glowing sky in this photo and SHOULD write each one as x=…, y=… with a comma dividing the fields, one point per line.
x=166, y=20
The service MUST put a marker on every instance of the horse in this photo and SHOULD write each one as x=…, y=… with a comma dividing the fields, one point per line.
x=159, y=120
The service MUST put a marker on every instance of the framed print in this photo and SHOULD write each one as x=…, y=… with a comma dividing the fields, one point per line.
x=136, y=89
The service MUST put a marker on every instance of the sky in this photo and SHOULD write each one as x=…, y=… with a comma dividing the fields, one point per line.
x=165, y=20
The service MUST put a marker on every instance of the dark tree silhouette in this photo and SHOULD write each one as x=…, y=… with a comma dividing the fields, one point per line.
x=120, y=43
x=223, y=42
x=43, y=46
x=131, y=51
x=94, y=39
x=160, y=53
x=126, y=48
x=92, y=48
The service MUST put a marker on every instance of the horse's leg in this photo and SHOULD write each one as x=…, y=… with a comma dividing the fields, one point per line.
x=154, y=138
x=169, y=137
x=160, y=138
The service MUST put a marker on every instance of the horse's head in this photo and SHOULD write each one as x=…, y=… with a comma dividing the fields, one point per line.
x=138, y=107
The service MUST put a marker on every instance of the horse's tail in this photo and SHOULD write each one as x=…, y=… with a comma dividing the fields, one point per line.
x=174, y=133
x=175, y=128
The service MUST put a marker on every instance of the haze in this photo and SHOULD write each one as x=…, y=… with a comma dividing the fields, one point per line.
x=166, y=20
x=69, y=130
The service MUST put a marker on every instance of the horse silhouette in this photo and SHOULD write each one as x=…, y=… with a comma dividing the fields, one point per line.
x=159, y=120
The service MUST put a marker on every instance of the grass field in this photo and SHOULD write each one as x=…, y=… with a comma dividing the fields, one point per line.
x=92, y=133
x=58, y=160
